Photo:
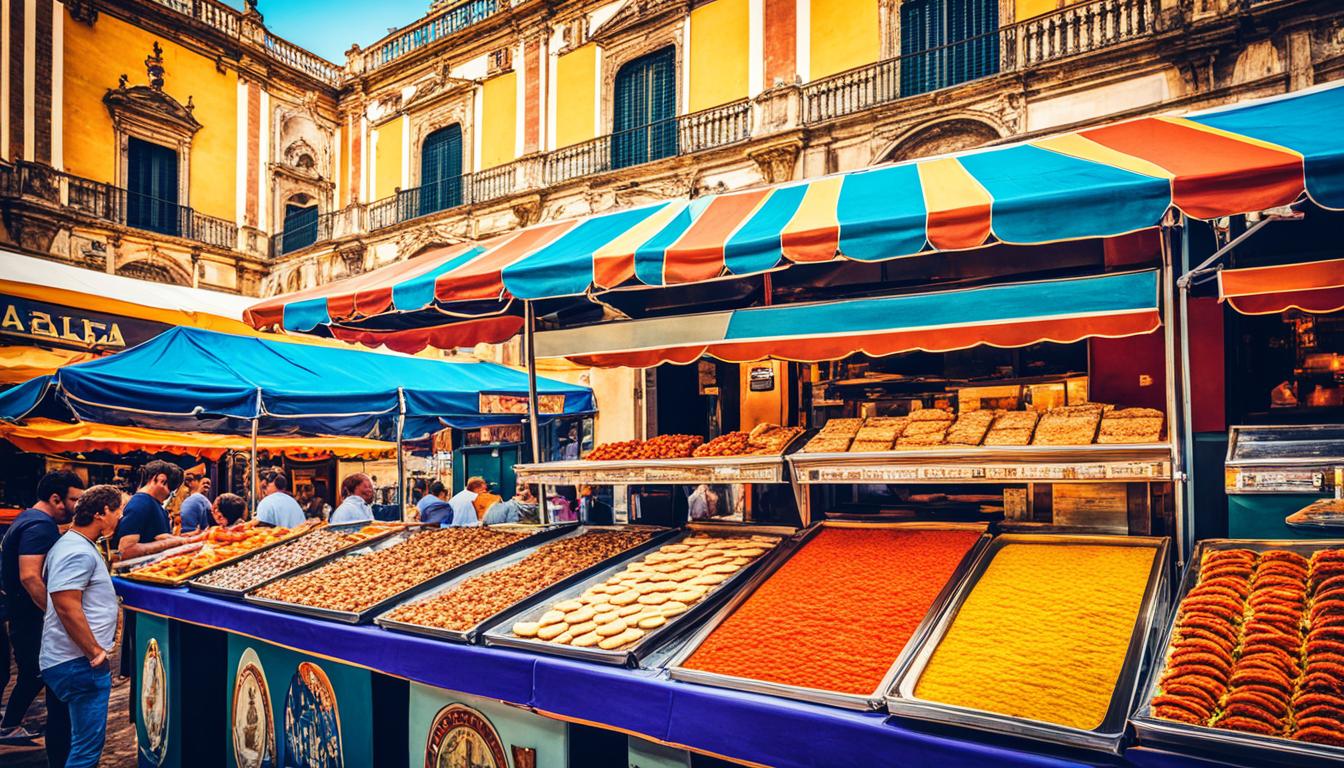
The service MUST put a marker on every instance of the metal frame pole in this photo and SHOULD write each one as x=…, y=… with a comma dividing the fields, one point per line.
x=252, y=459
x=533, y=409
x=401, y=462
x=1175, y=415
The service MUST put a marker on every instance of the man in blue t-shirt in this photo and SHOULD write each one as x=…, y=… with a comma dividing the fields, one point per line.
x=22, y=555
x=144, y=528
x=196, y=507
x=277, y=507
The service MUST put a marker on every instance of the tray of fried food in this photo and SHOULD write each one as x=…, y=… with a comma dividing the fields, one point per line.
x=822, y=443
x=1069, y=425
x=620, y=614
x=1253, y=663
x=884, y=433
x=869, y=446
x=1131, y=425
x=460, y=609
x=670, y=447
x=220, y=546
x=970, y=427
x=841, y=427
x=728, y=444
x=771, y=439
x=1012, y=428
x=927, y=429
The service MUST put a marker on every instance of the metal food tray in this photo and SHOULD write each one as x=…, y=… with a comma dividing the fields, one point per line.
x=661, y=535
x=543, y=533
x=1234, y=745
x=873, y=701
x=1110, y=734
x=501, y=634
x=237, y=594
x=184, y=578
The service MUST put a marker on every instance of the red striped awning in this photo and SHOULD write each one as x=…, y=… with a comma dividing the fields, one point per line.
x=1313, y=286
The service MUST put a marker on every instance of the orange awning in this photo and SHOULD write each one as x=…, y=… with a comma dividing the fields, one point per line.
x=21, y=363
x=1313, y=286
x=46, y=436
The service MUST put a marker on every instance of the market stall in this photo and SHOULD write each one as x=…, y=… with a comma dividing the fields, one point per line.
x=1026, y=649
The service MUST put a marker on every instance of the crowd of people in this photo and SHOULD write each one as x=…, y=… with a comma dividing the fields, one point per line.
x=60, y=612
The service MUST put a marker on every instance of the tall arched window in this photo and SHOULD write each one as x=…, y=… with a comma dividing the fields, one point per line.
x=151, y=188
x=644, y=126
x=945, y=42
x=300, y=227
x=440, y=171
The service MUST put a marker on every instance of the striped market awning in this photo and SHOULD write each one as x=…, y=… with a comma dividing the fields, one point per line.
x=1092, y=183
x=1011, y=315
x=1313, y=286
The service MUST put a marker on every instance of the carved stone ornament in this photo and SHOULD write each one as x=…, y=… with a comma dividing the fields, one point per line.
x=83, y=11
x=416, y=239
x=352, y=258
x=150, y=107
x=777, y=162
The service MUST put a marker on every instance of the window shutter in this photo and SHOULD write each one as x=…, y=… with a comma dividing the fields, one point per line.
x=300, y=227
x=644, y=124
x=440, y=173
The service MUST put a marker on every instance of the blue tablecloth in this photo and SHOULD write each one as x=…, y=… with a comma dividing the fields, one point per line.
x=740, y=726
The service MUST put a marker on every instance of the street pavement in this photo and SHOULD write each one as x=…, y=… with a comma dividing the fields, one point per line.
x=120, y=749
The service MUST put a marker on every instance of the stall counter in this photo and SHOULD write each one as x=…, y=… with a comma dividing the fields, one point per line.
x=740, y=726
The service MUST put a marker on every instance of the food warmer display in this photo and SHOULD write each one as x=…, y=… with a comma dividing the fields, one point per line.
x=461, y=609
x=737, y=459
x=1087, y=466
x=354, y=585
x=1047, y=640
x=626, y=611
x=854, y=599
x=1273, y=472
x=1253, y=662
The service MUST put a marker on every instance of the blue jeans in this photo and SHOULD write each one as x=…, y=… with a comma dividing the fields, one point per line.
x=85, y=691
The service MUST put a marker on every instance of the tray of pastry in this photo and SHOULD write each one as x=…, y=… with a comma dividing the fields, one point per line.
x=462, y=608
x=1046, y=641
x=622, y=613
x=218, y=547
x=855, y=597
x=1252, y=663
x=357, y=584
x=261, y=567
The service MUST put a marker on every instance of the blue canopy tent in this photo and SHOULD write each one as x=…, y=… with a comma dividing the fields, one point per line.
x=189, y=378
x=197, y=380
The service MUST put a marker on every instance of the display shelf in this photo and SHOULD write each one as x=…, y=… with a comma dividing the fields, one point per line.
x=970, y=464
x=710, y=469
x=1283, y=459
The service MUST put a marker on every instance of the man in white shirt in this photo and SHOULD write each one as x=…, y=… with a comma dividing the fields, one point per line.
x=464, y=503
x=80, y=624
x=277, y=507
x=357, y=490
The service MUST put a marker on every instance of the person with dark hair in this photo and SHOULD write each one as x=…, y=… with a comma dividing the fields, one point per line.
x=434, y=506
x=23, y=553
x=277, y=507
x=144, y=528
x=229, y=509
x=522, y=508
x=195, y=508
x=356, y=493
x=80, y=623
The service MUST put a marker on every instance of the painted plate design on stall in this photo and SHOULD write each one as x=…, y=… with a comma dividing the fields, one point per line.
x=312, y=721
x=462, y=737
x=154, y=703
x=253, y=721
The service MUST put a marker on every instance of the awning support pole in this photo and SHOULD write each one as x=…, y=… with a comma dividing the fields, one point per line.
x=1174, y=374
x=401, y=465
x=252, y=459
x=1184, y=282
x=1188, y=424
x=533, y=409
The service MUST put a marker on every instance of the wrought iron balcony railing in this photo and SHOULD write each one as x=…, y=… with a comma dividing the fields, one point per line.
x=1074, y=30
x=294, y=238
x=227, y=20
x=698, y=131
x=145, y=212
x=428, y=30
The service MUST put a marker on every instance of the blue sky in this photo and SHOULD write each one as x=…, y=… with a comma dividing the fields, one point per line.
x=328, y=27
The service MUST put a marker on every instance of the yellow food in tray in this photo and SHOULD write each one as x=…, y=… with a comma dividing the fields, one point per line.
x=1043, y=634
